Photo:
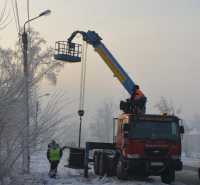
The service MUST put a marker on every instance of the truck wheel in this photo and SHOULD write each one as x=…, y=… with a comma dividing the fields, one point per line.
x=168, y=176
x=110, y=167
x=96, y=162
x=121, y=170
x=102, y=164
x=199, y=172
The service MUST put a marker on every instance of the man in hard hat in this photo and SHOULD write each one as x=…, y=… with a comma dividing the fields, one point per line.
x=54, y=154
x=139, y=101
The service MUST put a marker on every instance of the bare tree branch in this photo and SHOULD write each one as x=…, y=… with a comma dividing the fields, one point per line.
x=5, y=16
x=166, y=107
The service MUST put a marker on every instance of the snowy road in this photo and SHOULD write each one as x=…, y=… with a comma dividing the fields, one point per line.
x=188, y=177
x=66, y=176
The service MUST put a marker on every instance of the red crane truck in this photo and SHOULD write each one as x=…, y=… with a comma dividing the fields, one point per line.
x=144, y=144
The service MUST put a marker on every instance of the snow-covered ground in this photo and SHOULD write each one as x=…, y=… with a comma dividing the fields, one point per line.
x=191, y=162
x=40, y=167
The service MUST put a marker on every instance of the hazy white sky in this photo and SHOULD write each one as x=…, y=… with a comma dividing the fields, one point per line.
x=156, y=41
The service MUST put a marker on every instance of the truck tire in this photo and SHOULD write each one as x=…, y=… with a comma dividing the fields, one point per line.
x=110, y=170
x=121, y=170
x=102, y=164
x=199, y=173
x=96, y=162
x=168, y=176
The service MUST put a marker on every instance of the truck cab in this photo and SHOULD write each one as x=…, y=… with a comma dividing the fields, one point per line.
x=149, y=145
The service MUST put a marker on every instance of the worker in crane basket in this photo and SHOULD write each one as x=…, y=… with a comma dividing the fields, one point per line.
x=139, y=101
x=54, y=154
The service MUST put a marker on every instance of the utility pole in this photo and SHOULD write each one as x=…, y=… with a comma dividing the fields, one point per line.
x=25, y=143
x=26, y=134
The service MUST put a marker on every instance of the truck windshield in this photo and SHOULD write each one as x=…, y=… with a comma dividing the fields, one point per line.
x=154, y=130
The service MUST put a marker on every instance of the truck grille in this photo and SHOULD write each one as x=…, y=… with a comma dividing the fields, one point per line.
x=156, y=152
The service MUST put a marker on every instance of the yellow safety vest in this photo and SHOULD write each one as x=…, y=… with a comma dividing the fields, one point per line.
x=54, y=154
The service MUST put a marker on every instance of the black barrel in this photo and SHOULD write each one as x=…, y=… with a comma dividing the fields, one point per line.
x=76, y=158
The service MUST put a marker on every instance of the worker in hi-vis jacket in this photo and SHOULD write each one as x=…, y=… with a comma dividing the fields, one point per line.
x=139, y=101
x=54, y=154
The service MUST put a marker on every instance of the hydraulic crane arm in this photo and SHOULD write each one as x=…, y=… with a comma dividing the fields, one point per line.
x=94, y=39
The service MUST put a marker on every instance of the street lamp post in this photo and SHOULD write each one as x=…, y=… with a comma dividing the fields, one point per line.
x=26, y=150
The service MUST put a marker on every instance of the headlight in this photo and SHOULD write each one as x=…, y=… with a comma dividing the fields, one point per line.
x=133, y=156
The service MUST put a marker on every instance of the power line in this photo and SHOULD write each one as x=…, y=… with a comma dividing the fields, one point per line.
x=4, y=17
x=17, y=14
x=15, y=17
x=28, y=14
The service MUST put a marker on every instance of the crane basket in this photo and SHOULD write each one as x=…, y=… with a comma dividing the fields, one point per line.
x=68, y=51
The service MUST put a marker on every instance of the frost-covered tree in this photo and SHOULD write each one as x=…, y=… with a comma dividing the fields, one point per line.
x=101, y=128
x=191, y=137
x=52, y=120
x=41, y=65
x=12, y=109
x=40, y=59
x=166, y=106
x=11, y=117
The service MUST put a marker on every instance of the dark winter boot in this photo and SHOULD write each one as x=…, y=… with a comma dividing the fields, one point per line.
x=52, y=173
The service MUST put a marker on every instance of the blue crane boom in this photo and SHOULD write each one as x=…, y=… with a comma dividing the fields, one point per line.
x=71, y=52
x=95, y=40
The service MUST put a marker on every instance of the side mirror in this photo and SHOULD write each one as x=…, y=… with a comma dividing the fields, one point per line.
x=126, y=129
x=182, y=130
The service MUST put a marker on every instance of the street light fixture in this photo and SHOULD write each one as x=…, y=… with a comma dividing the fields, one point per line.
x=45, y=13
x=26, y=150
